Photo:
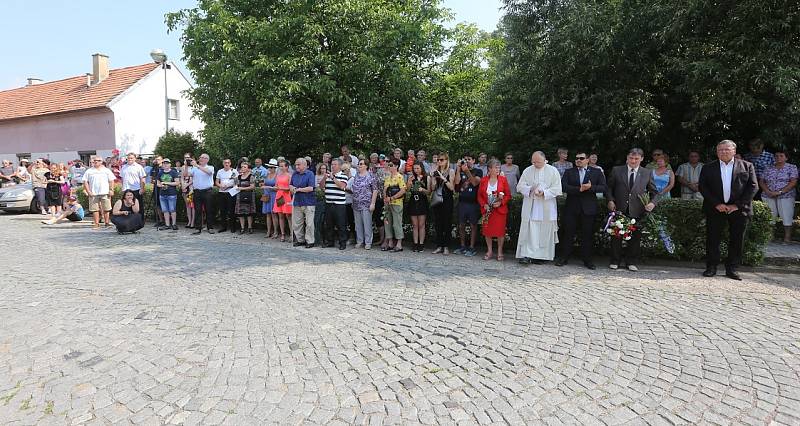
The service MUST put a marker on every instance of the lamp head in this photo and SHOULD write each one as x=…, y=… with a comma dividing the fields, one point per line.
x=158, y=56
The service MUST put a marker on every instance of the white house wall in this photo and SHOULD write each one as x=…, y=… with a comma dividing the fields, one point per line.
x=139, y=113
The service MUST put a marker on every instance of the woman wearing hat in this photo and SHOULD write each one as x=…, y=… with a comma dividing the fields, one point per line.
x=268, y=199
x=23, y=171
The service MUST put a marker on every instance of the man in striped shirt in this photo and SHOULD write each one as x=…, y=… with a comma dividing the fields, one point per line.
x=335, y=209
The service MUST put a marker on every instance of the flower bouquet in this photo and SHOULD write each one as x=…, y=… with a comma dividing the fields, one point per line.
x=493, y=198
x=658, y=224
x=620, y=226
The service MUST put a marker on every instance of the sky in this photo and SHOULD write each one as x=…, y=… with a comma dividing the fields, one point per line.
x=54, y=39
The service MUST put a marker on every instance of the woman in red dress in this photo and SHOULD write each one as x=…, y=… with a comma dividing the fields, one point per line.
x=495, y=227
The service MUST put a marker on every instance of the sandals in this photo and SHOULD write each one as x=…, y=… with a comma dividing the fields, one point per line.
x=487, y=256
x=500, y=258
x=397, y=250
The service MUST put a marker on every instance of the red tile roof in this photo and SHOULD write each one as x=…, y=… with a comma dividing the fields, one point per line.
x=70, y=94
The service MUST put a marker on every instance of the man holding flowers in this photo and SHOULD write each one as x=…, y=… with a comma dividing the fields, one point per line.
x=629, y=187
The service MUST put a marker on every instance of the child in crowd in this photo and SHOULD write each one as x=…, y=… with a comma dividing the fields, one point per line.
x=73, y=212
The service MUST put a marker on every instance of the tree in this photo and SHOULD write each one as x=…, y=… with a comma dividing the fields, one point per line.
x=301, y=77
x=459, y=92
x=608, y=75
x=174, y=144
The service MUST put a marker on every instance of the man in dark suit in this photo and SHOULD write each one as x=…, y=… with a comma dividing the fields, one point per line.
x=625, y=184
x=582, y=184
x=728, y=186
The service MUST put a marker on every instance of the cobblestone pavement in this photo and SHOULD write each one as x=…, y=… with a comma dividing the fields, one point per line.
x=157, y=328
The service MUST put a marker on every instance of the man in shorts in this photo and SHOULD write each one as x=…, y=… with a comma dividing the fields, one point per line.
x=98, y=184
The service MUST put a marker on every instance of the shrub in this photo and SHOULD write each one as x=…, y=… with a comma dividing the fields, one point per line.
x=684, y=221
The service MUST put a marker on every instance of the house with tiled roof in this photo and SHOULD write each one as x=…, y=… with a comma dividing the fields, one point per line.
x=124, y=108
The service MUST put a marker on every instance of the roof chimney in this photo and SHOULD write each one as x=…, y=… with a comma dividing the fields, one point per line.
x=99, y=67
x=33, y=80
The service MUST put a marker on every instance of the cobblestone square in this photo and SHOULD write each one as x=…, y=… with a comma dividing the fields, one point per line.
x=169, y=328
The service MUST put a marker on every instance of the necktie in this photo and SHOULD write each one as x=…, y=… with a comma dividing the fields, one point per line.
x=630, y=181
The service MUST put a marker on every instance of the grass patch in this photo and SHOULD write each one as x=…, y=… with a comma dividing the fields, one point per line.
x=48, y=409
x=26, y=404
x=7, y=399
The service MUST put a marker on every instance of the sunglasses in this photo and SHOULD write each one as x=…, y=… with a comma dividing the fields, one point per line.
x=580, y=158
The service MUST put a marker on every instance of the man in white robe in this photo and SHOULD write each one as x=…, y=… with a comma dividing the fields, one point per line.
x=540, y=184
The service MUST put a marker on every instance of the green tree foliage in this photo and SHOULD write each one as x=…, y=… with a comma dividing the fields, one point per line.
x=299, y=76
x=459, y=92
x=174, y=144
x=608, y=75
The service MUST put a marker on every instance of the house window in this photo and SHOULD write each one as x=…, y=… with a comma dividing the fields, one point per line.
x=86, y=156
x=174, y=110
x=25, y=155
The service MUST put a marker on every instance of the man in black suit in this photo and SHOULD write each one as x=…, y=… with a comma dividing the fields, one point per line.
x=582, y=184
x=728, y=186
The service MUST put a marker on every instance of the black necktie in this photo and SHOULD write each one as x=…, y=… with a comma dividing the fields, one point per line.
x=630, y=181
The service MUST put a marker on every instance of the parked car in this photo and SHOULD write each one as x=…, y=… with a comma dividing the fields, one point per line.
x=18, y=198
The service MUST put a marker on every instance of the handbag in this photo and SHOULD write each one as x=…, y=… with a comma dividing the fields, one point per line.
x=245, y=197
x=436, y=197
x=280, y=202
x=393, y=190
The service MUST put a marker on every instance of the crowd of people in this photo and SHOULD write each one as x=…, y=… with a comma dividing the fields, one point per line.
x=361, y=201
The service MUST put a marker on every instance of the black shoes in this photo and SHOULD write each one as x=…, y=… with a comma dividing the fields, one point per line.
x=209, y=230
x=733, y=275
x=561, y=262
x=710, y=272
x=525, y=261
x=223, y=229
x=342, y=246
x=589, y=265
x=537, y=261
x=309, y=245
x=297, y=244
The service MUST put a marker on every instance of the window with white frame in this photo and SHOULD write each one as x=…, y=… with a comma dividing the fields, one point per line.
x=174, y=110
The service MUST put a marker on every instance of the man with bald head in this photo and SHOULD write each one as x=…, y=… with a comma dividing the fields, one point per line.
x=728, y=186
x=539, y=185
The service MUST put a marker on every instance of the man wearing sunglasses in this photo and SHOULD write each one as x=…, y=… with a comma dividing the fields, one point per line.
x=581, y=184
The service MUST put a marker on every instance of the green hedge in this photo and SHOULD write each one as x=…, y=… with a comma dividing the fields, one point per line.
x=684, y=220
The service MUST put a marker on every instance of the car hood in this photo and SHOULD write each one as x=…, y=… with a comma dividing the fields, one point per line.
x=17, y=188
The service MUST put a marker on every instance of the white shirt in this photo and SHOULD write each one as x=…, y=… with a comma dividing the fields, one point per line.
x=491, y=187
x=131, y=176
x=226, y=178
x=635, y=172
x=726, y=173
x=200, y=179
x=99, y=180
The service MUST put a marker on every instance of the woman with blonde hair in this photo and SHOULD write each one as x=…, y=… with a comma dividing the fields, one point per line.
x=283, y=200
x=442, y=186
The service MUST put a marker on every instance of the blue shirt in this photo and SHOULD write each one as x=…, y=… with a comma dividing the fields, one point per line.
x=304, y=180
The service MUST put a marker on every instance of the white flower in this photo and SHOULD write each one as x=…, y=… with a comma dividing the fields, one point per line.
x=619, y=225
x=610, y=231
x=633, y=221
x=627, y=238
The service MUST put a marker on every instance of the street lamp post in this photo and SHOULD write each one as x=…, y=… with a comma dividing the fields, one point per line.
x=160, y=57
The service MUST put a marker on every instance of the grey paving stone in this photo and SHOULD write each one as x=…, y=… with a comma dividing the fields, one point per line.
x=275, y=334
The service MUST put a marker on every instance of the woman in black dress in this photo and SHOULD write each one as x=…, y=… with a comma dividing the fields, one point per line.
x=53, y=194
x=245, y=199
x=417, y=186
x=125, y=215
